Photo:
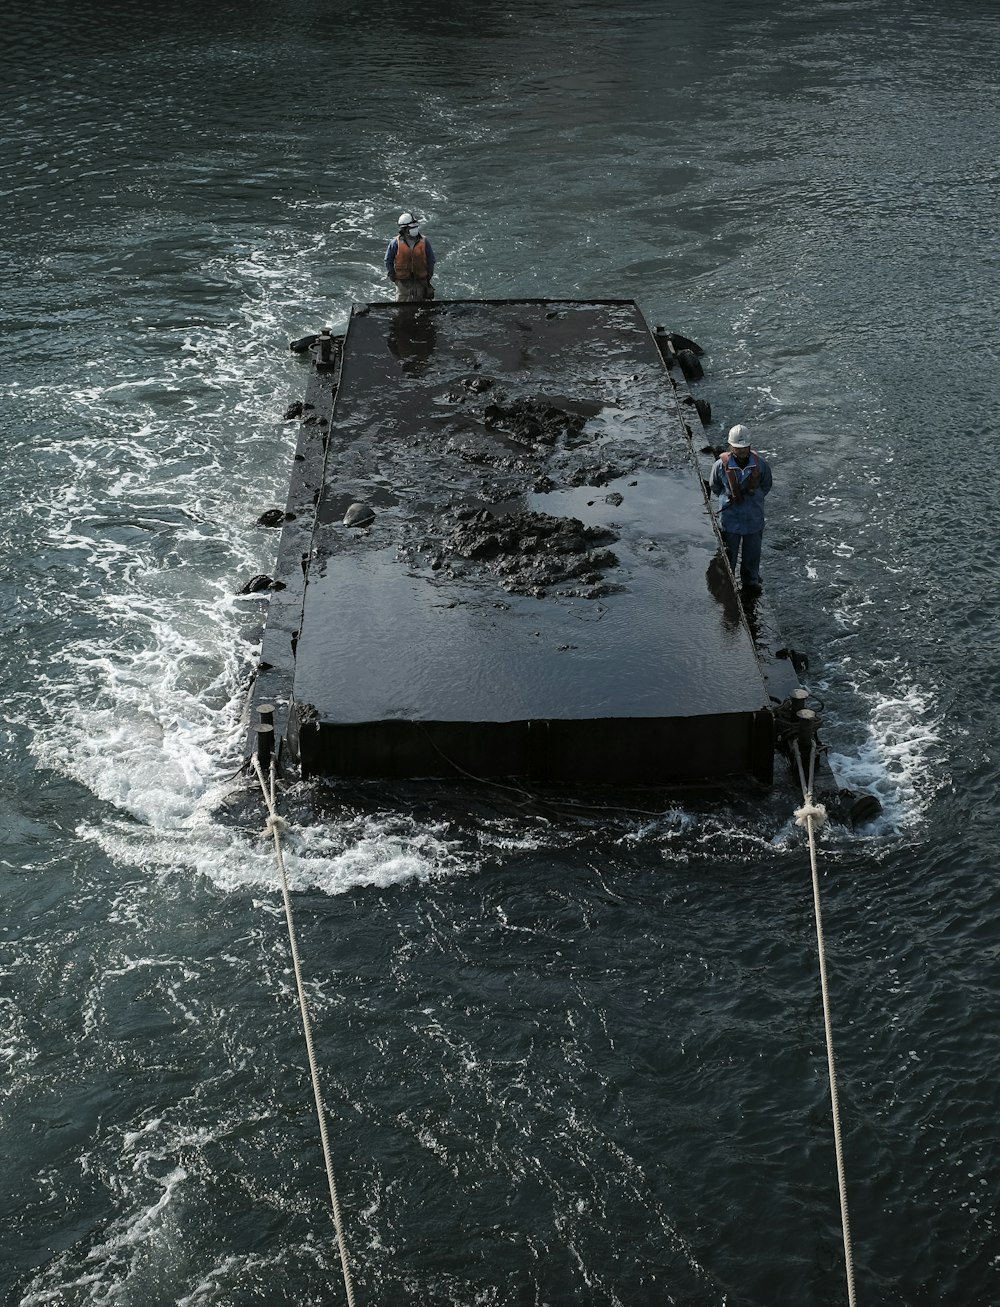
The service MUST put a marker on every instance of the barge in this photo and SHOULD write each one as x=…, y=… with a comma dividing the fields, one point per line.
x=498, y=560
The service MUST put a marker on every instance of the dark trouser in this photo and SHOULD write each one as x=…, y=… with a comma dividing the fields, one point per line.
x=750, y=562
x=409, y=289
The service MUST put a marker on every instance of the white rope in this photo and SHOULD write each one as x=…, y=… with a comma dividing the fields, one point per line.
x=275, y=825
x=812, y=815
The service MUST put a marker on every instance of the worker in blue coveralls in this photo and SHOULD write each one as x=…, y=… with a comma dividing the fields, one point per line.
x=741, y=478
x=409, y=261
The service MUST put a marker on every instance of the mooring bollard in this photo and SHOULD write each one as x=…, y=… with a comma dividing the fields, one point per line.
x=265, y=733
x=808, y=722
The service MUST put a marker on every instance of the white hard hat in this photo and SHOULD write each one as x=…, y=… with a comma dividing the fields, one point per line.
x=739, y=436
x=405, y=219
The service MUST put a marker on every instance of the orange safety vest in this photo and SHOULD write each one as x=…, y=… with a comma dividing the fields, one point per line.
x=732, y=475
x=411, y=262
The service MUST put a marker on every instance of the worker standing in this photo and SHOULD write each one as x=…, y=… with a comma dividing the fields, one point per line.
x=409, y=261
x=741, y=478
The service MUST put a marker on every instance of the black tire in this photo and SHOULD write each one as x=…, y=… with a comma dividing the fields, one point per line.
x=303, y=344
x=864, y=810
x=255, y=585
x=680, y=342
x=692, y=369
x=704, y=412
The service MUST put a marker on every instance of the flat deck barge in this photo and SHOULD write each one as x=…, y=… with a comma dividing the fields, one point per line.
x=498, y=560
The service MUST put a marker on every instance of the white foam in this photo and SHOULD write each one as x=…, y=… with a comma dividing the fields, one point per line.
x=231, y=1270
x=113, y=1258
x=324, y=856
x=895, y=760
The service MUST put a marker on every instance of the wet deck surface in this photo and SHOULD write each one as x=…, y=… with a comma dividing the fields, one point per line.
x=462, y=418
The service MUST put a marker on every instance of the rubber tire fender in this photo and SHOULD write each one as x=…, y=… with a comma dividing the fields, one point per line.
x=864, y=810
x=690, y=366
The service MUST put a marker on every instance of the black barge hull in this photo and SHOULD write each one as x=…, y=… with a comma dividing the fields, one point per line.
x=541, y=592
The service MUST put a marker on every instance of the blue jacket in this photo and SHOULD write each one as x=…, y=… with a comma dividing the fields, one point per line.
x=745, y=518
x=390, y=259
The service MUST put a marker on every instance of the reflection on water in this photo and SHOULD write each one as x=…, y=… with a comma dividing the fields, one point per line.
x=412, y=336
x=723, y=590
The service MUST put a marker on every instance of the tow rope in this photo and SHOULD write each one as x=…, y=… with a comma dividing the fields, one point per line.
x=275, y=826
x=812, y=815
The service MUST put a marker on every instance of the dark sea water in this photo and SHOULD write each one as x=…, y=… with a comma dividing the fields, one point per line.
x=570, y=1057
